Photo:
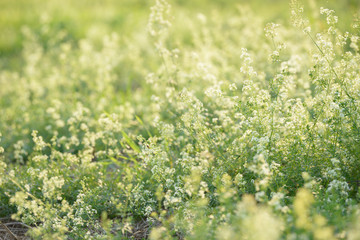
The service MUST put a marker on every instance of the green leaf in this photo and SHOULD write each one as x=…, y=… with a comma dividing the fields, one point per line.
x=130, y=142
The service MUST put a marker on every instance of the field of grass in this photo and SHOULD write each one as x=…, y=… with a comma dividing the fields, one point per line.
x=180, y=119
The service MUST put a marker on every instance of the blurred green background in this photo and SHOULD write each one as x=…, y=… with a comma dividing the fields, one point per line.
x=87, y=18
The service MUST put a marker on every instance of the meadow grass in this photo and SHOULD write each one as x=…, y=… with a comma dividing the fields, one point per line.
x=180, y=119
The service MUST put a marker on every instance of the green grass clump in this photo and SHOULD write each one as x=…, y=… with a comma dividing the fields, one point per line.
x=131, y=120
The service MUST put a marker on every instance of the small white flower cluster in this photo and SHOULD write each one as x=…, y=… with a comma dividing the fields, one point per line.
x=338, y=188
x=158, y=20
x=247, y=68
x=297, y=15
x=38, y=140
